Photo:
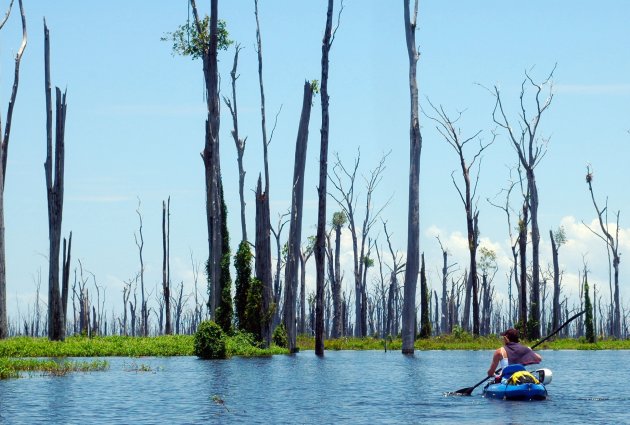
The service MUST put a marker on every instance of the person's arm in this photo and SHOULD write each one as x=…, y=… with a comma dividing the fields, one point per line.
x=495, y=362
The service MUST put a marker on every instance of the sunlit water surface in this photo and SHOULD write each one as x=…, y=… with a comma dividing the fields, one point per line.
x=342, y=387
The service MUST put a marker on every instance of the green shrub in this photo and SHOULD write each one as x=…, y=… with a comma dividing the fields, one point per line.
x=280, y=336
x=209, y=341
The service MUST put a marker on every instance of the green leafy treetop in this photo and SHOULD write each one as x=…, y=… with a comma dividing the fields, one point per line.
x=187, y=41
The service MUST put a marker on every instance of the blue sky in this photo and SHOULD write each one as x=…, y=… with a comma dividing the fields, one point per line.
x=135, y=125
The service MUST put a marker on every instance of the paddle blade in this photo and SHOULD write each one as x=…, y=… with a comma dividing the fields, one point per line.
x=464, y=391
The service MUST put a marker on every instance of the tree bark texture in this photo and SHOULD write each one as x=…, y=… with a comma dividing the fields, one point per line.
x=211, y=157
x=4, y=147
x=555, y=315
x=263, y=263
x=265, y=229
x=522, y=250
x=54, y=168
x=166, y=275
x=320, y=244
x=613, y=245
x=413, y=223
x=295, y=225
x=240, y=143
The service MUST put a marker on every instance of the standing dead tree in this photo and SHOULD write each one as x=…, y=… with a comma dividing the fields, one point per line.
x=55, y=156
x=397, y=267
x=445, y=323
x=4, y=148
x=84, y=302
x=263, y=223
x=413, y=220
x=295, y=225
x=612, y=246
x=240, y=143
x=344, y=182
x=144, y=313
x=305, y=253
x=530, y=150
x=447, y=127
x=280, y=263
x=557, y=238
x=488, y=268
x=339, y=219
x=320, y=244
x=166, y=269
x=180, y=304
x=210, y=154
x=514, y=243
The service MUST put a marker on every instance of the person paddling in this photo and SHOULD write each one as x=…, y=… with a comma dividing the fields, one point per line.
x=512, y=352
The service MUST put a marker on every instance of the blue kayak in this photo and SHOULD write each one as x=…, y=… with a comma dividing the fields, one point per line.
x=516, y=383
x=525, y=392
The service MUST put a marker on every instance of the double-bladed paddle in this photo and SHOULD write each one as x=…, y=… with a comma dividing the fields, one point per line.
x=469, y=390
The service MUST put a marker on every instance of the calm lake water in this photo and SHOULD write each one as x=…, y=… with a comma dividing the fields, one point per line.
x=343, y=387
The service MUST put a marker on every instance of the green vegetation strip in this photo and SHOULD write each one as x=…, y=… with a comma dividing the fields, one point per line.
x=242, y=345
x=457, y=342
x=125, y=346
x=11, y=368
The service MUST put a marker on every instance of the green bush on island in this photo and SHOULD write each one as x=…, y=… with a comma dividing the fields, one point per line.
x=280, y=336
x=210, y=341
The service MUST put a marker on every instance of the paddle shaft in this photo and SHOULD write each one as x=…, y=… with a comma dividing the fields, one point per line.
x=469, y=390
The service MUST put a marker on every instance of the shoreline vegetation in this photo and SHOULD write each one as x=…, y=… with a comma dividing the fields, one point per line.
x=19, y=355
x=241, y=345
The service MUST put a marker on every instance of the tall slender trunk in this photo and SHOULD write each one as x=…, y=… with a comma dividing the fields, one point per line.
x=555, y=315
x=413, y=221
x=535, y=298
x=320, y=244
x=4, y=147
x=522, y=249
x=166, y=283
x=265, y=230
x=295, y=227
x=211, y=156
x=54, y=167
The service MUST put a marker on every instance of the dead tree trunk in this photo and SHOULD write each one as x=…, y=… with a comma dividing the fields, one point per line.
x=304, y=257
x=240, y=143
x=452, y=135
x=445, y=325
x=54, y=188
x=295, y=225
x=338, y=221
x=263, y=263
x=144, y=313
x=530, y=151
x=263, y=227
x=612, y=244
x=211, y=157
x=557, y=240
x=166, y=272
x=522, y=250
x=344, y=182
x=277, y=287
x=425, y=322
x=413, y=221
x=4, y=147
x=320, y=245
x=65, y=280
